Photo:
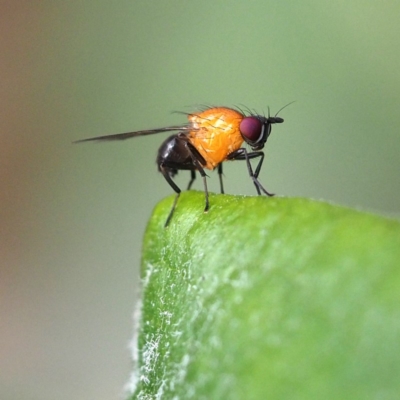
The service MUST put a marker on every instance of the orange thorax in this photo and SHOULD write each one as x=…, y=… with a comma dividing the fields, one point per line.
x=216, y=134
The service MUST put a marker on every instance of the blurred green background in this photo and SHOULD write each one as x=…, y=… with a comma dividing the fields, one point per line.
x=72, y=217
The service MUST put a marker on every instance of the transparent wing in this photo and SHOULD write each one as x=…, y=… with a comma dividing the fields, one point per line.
x=128, y=135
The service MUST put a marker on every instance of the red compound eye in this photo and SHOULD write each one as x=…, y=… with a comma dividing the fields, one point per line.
x=251, y=128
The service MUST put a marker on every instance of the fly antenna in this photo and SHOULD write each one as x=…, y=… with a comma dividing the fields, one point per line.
x=282, y=107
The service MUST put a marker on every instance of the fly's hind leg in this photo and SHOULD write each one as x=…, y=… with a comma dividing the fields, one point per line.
x=175, y=154
x=166, y=173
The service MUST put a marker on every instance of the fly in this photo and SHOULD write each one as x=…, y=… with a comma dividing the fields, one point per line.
x=212, y=136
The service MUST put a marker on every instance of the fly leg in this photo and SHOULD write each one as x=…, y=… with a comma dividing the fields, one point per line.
x=166, y=173
x=221, y=184
x=242, y=154
x=176, y=154
x=196, y=158
x=204, y=176
x=192, y=178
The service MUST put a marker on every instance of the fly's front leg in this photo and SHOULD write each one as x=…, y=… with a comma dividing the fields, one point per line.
x=260, y=163
x=242, y=154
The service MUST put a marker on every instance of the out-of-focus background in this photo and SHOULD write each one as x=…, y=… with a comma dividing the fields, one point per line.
x=72, y=217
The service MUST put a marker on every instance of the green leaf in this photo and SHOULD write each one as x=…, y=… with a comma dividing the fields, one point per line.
x=269, y=298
